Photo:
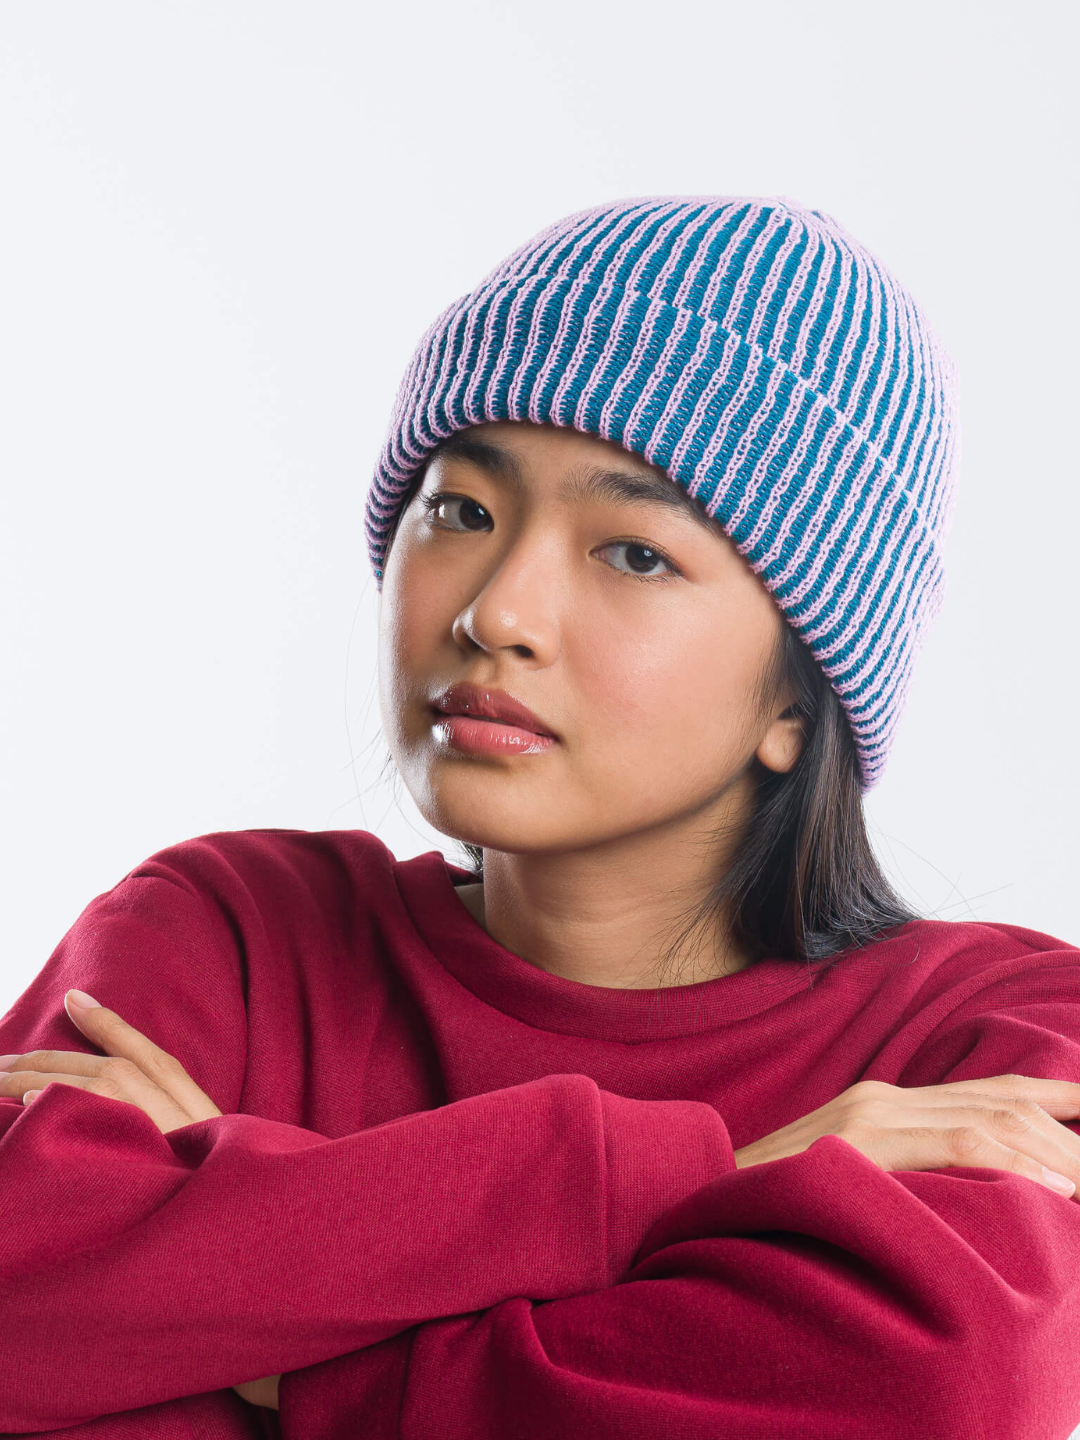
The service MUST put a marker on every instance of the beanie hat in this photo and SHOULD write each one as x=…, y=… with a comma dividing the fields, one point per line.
x=767, y=363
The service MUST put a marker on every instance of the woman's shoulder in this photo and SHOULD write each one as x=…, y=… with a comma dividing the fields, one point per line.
x=184, y=943
x=981, y=941
x=281, y=863
x=928, y=960
x=232, y=892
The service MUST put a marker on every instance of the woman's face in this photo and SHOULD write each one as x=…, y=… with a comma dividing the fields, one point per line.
x=633, y=629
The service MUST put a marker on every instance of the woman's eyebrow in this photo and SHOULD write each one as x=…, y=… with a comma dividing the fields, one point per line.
x=632, y=487
x=591, y=483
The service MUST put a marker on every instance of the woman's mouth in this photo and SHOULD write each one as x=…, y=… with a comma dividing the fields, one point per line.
x=479, y=735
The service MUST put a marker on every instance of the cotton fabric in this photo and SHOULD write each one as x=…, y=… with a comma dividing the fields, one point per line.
x=456, y=1196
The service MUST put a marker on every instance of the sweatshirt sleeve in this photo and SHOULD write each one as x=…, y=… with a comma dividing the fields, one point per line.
x=139, y=1267
x=815, y=1295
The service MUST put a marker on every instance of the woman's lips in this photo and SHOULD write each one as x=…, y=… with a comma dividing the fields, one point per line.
x=489, y=702
x=479, y=735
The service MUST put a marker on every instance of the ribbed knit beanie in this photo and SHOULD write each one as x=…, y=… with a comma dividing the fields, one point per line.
x=766, y=362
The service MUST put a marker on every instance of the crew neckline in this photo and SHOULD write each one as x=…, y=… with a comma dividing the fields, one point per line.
x=495, y=975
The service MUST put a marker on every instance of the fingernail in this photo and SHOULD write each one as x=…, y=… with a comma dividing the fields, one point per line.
x=80, y=999
x=1058, y=1182
x=30, y=1095
x=6, y=1061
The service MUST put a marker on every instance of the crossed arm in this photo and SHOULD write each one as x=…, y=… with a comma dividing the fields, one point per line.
x=481, y=1347
x=135, y=1070
x=224, y=1250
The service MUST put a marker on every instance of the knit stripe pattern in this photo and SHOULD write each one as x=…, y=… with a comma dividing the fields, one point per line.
x=766, y=362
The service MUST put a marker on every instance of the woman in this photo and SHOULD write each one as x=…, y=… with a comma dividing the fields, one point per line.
x=665, y=1117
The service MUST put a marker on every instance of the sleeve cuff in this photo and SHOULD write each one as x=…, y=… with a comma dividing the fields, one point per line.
x=658, y=1153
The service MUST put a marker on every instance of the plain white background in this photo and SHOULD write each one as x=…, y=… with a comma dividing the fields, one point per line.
x=225, y=226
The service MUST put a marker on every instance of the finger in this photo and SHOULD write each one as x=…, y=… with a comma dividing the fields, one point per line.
x=973, y=1146
x=18, y=1082
x=1060, y=1098
x=115, y=1036
x=1022, y=1109
x=63, y=1062
x=124, y=1081
x=940, y=1098
x=1026, y=1127
x=1013, y=1119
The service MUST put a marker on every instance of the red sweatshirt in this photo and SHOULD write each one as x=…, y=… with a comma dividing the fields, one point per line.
x=453, y=1196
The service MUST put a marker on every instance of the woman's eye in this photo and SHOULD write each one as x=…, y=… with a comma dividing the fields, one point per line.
x=641, y=558
x=440, y=498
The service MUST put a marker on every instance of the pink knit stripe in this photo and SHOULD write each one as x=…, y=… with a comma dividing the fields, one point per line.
x=549, y=293
x=839, y=305
x=615, y=325
x=629, y=374
x=800, y=358
x=475, y=402
x=716, y=382
x=916, y=553
x=775, y=221
x=917, y=429
x=768, y=289
x=915, y=541
x=670, y=349
x=907, y=380
x=755, y=358
x=836, y=449
x=460, y=377
x=789, y=476
x=522, y=297
x=765, y=412
x=629, y=371
x=860, y=502
x=432, y=432
x=551, y=243
x=702, y=349
x=656, y=245
x=928, y=465
x=874, y=649
x=876, y=701
x=811, y=250
x=721, y=274
x=762, y=415
x=600, y=258
x=871, y=401
x=433, y=371
x=691, y=242
x=693, y=273
x=867, y=295
x=688, y=377
x=567, y=323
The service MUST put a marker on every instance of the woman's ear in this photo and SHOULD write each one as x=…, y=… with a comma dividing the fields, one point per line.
x=783, y=741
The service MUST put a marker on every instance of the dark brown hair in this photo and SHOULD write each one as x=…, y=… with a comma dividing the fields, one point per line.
x=805, y=884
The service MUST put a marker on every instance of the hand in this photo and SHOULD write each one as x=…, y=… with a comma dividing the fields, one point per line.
x=1003, y=1123
x=132, y=1069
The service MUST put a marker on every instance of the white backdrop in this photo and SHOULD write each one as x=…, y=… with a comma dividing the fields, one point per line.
x=226, y=224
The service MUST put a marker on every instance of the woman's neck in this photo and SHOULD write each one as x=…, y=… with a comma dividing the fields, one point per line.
x=687, y=966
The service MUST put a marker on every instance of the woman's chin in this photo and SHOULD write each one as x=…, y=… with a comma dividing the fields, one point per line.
x=513, y=823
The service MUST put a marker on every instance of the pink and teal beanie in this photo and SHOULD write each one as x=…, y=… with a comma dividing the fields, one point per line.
x=769, y=364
